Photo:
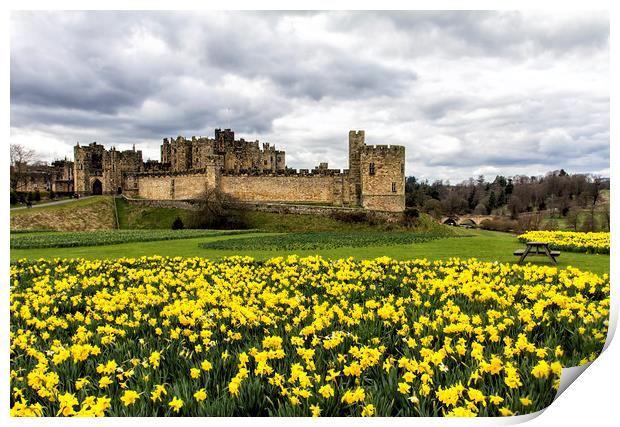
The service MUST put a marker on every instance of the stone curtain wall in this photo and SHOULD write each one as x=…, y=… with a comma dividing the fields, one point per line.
x=319, y=189
x=375, y=179
x=168, y=204
x=324, y=189
x=280, y=208
x=175, y=186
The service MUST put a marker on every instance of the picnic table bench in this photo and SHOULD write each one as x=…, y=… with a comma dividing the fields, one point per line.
x=537, y=248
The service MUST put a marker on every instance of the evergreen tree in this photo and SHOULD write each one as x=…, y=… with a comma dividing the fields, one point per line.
x=501, y=199
x=509, y=187
x=491, y=203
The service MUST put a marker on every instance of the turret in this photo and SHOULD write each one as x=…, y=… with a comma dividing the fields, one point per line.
x=356, y=143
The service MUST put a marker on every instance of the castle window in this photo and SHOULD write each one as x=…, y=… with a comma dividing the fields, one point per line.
x=402, y=168
x=393, y=187
x=371, y=169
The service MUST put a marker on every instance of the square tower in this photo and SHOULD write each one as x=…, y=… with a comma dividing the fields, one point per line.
x=376, y=174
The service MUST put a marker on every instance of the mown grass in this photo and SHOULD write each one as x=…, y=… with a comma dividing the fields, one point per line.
x=322, y=240
x=94, y=213
x=77, y=203
x=561, y=224
x=288, y=223
x=483, y=245
x=136, y=217
x=106, y=237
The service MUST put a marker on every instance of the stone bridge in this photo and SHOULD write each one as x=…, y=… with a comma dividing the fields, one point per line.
x=472, y=220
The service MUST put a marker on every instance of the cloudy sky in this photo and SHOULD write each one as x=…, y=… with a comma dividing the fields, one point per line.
x=467, y=93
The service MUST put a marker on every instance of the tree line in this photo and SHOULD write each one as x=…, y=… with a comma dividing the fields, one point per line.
x=556, y=194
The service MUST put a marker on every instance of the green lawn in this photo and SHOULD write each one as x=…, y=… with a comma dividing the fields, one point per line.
x=76, y=215
x=77, y=203
x=140, y=217
x=483, y=245
x=132, y=217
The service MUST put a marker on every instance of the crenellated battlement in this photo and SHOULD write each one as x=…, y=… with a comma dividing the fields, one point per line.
x=382, y=148
x=169, y=173
x=247, y=170
x=288, y=172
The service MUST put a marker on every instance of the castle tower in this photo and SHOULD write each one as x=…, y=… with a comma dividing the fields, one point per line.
x=166, y=152
x=100, y=171
x=356, y=144
x=224, y=138
x=88, y=169
x=382, y=170
x=180, y=154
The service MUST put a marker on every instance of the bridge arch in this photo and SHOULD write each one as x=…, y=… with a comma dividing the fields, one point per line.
x=465, y=220
x=450, y=221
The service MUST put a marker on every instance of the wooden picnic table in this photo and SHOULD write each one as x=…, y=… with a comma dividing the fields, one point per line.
x=537, y=248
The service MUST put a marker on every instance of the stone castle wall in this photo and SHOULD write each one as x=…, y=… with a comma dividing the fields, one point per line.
x=280, y=208
x=182, y=186
x=248, y=172
x=283, y=188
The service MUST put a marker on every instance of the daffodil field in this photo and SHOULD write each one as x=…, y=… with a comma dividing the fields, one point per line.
x=595, y=243
x=291, y=336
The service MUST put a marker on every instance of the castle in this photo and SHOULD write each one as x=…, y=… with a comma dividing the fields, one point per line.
x=245, y=170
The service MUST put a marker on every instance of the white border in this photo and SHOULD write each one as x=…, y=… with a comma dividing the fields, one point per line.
x=592, y=400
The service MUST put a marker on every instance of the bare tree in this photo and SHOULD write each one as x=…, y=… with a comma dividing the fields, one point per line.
x=607, y=216
x=216, y=209
x=20, y=157
x=212, y=203
x=433, y=208
x=572, y=218
x=591, y=222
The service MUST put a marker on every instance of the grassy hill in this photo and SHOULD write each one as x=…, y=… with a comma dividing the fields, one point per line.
x=93, y=213
x=97, y=213
x=139, y=217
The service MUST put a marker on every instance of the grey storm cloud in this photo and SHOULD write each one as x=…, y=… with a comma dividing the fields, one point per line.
x=464, y=91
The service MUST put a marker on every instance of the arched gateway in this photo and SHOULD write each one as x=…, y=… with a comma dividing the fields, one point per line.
x=97, y=187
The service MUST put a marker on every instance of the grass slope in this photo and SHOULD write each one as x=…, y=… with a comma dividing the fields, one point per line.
x=141, y=218
x=137, y=217
x=483, y=245
x=94, y=213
